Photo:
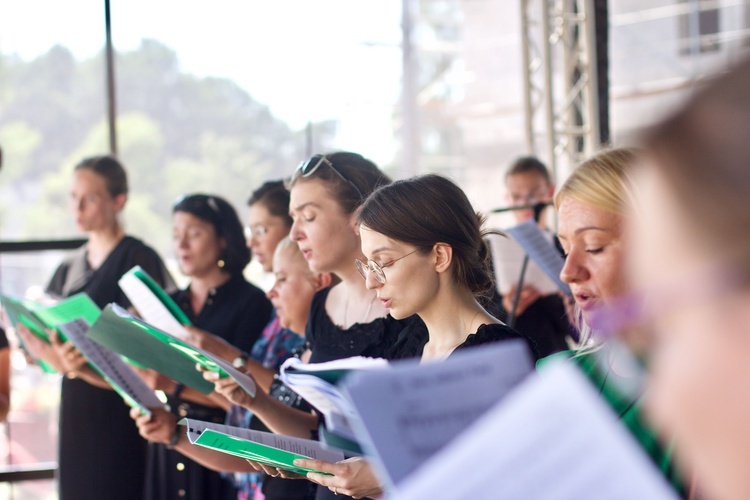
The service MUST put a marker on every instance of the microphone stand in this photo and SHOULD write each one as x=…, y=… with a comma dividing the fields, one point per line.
x=538, y=208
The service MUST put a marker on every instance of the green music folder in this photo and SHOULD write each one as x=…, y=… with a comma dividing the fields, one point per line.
x=118, y=330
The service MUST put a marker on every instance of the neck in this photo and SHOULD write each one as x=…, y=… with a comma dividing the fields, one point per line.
x=351, y=301
x=200, y=285
x=450, y=318
x=102, y=242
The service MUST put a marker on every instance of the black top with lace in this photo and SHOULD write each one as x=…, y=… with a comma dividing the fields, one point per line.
x=329, y=342
x=411, y=341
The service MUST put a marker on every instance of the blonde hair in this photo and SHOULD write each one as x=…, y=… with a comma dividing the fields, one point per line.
x=601, y=181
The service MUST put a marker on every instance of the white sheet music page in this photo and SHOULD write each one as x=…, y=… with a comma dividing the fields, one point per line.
x=150, y=308
x=507, y=260
x=109, y=364
x=540, y=250
x=552, y=438
x=408, y=413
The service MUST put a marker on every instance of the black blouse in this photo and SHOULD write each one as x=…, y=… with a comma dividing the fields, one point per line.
x=411, y=341
x=329, y=342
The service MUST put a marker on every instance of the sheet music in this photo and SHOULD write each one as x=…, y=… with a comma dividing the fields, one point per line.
x=150, y=308
x=551, y=438
x=540, y=250
x=507, y=260
x=408, y=413
x=316, y=383
x=117, y=373
x=306, y=447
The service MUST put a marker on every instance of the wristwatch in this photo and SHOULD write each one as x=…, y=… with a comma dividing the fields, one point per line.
x=240, y=361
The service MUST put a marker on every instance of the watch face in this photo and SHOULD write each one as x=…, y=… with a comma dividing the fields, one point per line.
x=238, y=362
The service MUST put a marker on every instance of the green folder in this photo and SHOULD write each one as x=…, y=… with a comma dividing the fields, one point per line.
x=39, y=317
x=163, y=296
x=119, y=331
x=250, y=450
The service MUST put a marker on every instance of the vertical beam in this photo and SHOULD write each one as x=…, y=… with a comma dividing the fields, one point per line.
x=111, y=102
x=410, y=144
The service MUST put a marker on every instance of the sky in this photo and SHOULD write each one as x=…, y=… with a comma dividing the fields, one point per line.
x=308, y=61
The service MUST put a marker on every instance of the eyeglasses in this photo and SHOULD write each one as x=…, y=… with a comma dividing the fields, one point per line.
x=376, y=268
x=308, y=167
x=257, y=231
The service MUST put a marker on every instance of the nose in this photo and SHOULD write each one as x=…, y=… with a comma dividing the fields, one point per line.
x=573, y=271
x=371, y=282
x=272, y=292
x=295, y=233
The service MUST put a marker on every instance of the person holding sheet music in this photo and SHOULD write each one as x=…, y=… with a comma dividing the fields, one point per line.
x=542, y=317
x=291, y=295
x=691, y=270
x=210, y=247
x=432, y=263
x=100, y=453
x=346, y=319
x=592, y=209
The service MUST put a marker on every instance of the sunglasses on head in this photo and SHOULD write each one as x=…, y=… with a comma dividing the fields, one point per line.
x=310, y=166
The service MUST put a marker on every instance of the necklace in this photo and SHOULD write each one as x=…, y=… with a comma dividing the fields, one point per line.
x=346, y=310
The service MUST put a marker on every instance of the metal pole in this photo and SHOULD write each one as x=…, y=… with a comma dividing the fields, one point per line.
x=111, y=103
x=549, y=108
x=409, y=129
x=592, y=96
x=526, y=58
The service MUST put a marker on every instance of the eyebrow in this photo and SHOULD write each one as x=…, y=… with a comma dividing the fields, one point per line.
x=304, y=205
x=582, y=230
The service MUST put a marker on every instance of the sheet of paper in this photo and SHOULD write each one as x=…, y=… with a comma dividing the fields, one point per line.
x=410, y=412
x=115, y=371
x=316, y=383
x=268, y=448
x=150, y=307
x=135, y=339
x=552, y=438
x=540, y=250
x=507, y=260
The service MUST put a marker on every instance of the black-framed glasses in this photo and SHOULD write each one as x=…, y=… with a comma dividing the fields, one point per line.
x=308, y=167
x=375, y=268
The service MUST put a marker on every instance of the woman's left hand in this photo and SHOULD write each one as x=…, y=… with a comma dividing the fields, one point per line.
x=70, y=357
x=353, y=477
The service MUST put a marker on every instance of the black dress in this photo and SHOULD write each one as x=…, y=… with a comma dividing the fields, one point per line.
x=328, y=342
x=237, y=312
x=101, y=453
x=411, y=342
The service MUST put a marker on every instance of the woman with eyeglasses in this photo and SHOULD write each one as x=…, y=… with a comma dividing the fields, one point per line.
x=100, y=452
x=427, y=260
x=210, y=247
x=346, y=319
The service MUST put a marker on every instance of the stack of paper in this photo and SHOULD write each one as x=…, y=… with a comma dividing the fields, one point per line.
x=154, y=304
x=319, y=385
x=112, y=368
x=264, y=447
x=552, y=438
x=410, y=412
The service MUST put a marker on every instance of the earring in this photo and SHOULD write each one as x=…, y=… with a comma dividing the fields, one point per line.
x=221, y=263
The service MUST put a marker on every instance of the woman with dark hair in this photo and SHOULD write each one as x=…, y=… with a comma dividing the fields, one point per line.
x=210, y=246
x=346, y=319
x=100, y=453
x=426, y=256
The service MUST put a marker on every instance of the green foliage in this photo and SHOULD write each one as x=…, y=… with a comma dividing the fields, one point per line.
x=177, y=133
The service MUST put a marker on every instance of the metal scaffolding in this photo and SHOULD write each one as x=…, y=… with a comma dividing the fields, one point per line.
x=560, y=81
